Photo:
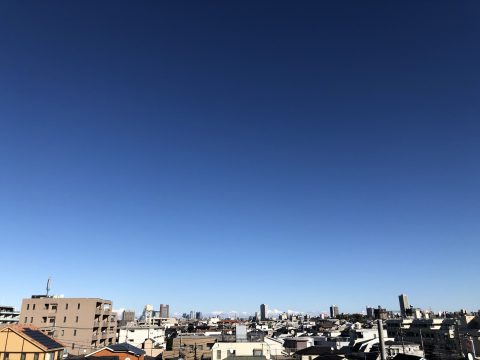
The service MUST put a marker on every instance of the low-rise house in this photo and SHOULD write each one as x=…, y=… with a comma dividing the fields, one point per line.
x=19, y=342
x=122, y=351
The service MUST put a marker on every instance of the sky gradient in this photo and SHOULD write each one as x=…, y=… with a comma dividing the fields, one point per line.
x=221, y=154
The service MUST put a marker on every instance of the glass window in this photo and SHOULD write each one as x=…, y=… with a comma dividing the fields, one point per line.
x=28, y=306
x=75, y=332
x=35, y=356
x=76, y=319
x=22, y=356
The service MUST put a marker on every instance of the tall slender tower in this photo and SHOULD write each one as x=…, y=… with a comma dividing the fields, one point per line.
x=263, y=312
x=334, y=311
x=403, y=299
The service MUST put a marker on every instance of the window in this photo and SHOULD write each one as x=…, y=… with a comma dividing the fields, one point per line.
x=22, y=356
x=76, y=319
x=31, y=319
x=35, y=356
x=257, y=352
x=75, y=332
x=25, y=320
x=66, y=306
x=219, y=354
x=28, y=306
x=59, y=355
x=63, y=332
x=78, y=307
x=6, y=356
x=230, y=353
x=73, y=346
x=33, y=306
x=64, y=319
x=199, y=347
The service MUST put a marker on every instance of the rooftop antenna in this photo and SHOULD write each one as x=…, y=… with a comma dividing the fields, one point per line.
x=48, y=285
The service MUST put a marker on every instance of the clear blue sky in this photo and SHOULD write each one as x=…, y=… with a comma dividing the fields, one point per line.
x=220, y=154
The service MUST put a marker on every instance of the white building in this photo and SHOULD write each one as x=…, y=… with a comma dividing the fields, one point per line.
x=136, y=335
x=222, y=350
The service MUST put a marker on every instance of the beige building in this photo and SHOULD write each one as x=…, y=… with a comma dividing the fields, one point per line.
x=191, y=346
x=250, y=350
x=28, y=343
x=82, y=324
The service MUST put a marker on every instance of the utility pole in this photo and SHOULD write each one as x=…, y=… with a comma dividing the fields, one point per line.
x=381, y=339
x=421, y=342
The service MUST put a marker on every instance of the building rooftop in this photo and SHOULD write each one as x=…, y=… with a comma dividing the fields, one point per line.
x=37, y=336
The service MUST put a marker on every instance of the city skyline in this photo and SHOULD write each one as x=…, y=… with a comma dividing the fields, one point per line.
x=270, y=311
x=231, y=150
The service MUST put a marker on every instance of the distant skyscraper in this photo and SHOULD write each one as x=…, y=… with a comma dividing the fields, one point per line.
x=403, y=299
x=192, y=315
x=334, y=311
x=370, y=312
x=198, y=315
x=128, y=315
x=164, y=311
x=263, y=312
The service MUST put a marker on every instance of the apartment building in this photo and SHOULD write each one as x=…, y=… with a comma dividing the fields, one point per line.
x=191, y=347
x=8, y=315
x=82, y=324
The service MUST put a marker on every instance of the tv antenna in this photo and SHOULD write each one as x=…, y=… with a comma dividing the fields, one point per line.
x=48, y=285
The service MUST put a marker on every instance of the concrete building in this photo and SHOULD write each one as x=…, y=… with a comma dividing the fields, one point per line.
x=294, y=344
x=8, y=315
x=334, y=311
x=370, y=312
x=24, y=342
x=128, y=317
x=190, y=347
x=164, y=311
x=403, y=300
x=380, y=313
x=136, y=336
x=439, y=336
x=82, y=324
x=245, y=350
x=263, y=312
